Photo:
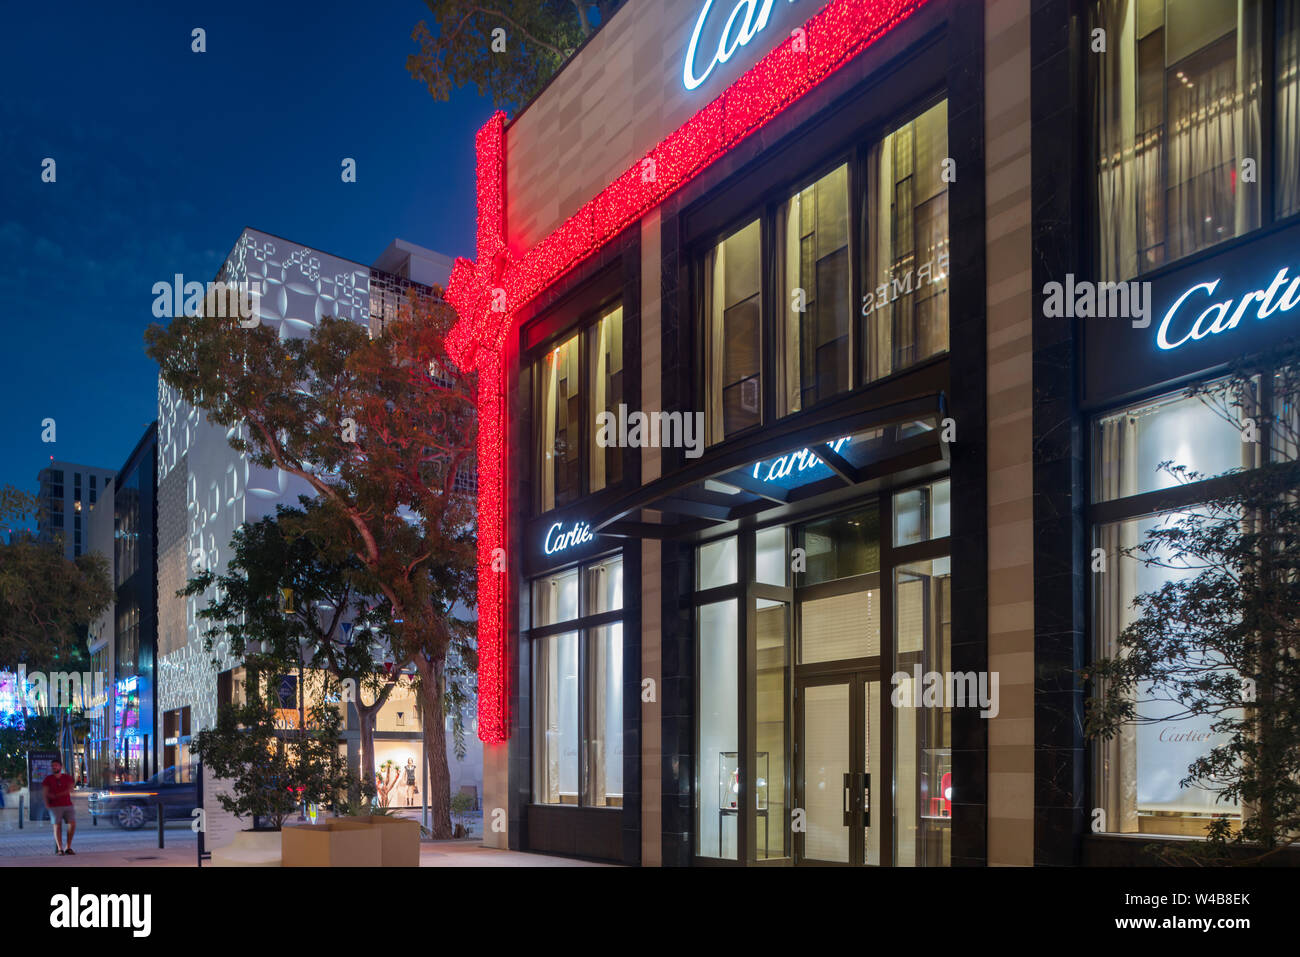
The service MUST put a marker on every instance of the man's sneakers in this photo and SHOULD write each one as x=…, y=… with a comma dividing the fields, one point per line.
x=69, y=851
x=58, y=850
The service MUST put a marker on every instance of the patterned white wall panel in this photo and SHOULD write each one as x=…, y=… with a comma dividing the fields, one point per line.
x=223, y=489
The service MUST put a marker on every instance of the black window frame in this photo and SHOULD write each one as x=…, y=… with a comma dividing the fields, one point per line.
x=577, y=316
x=583, y=625
x=771, y=196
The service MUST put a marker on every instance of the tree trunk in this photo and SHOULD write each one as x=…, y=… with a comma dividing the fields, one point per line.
x=435, y=751
x=366, y=736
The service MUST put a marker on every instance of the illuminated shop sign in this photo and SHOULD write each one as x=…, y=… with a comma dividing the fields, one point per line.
x=1204, y=315
x=794, y=463
x=747, y=19
x=1178, y=327
x=559, y=540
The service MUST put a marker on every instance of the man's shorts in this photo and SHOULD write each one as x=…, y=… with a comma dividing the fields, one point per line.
x=68, y=814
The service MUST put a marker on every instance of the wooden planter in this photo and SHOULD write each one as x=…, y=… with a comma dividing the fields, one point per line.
x=399, y=838
x=340, y=843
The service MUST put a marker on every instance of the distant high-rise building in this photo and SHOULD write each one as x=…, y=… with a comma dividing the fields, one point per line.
x=67, y=491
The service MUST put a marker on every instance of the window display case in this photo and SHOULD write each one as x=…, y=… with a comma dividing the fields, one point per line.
x=729, y=780
x=936, y=783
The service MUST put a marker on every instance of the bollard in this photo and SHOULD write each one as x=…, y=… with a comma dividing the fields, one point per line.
x=162, y=822
x=20, y=812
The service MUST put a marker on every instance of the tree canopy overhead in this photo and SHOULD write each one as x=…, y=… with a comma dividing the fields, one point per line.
x=461, y=47
x=383, y=429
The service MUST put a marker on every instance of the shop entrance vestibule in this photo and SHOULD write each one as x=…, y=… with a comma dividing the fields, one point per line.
x=808, y=752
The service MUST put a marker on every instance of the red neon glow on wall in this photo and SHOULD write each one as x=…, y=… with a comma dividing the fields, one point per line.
x=488, y=293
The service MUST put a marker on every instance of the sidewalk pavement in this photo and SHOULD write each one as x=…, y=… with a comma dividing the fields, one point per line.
x=432, y=854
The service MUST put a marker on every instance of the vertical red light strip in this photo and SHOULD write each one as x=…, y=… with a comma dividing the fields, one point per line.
x=487, y=293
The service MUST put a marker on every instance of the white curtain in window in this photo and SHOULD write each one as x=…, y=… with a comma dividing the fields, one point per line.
x=1115, y=774
x=1115, y=116
x=1288, y=107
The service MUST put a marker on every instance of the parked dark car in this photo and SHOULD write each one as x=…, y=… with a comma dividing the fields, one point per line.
x=131, y=805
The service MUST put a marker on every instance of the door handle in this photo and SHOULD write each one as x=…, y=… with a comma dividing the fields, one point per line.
x=866, y=800
x=848, y=799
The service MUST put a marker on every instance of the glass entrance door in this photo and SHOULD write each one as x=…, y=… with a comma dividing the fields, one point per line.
x=837, y=722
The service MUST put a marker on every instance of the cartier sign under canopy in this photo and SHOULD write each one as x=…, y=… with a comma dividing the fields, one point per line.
x=1203, y=315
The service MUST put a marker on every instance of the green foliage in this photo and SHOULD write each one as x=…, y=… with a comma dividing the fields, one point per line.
x=46, y=601
x=458, y=50
x=41, y=733
x=1222, y=640
x=248, y=612
x=271, y=770
x=381, y=429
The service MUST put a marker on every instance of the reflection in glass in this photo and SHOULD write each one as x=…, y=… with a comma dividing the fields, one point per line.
x=812, y=229
x=605, y=368
x=732, y=305
x=842, y=545
x=905, y=302
x=1137, y=772
x=559, y=425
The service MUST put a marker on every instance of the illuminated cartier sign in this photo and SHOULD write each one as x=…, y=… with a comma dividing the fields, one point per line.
x=735, y=34
x=799, y=461
x=558, y=540
x=1221, y=315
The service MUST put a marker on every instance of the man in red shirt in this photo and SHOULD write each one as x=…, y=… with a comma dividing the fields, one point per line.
x=57, y=791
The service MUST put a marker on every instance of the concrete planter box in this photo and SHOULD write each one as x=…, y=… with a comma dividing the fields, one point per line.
x=339, y=843
x=249, y=849
x=399, y=838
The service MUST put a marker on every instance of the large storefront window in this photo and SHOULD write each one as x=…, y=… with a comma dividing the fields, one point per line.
x=1137, y=773
x=576, y=380
x=578, y=685
x=1179, y=97
x=905, y=292
x=777, y=296
x=733, y=332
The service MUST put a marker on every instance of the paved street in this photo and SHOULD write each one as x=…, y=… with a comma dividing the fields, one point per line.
x=35, y=843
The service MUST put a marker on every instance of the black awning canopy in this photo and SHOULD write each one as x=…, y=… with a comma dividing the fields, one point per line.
x=780, y=471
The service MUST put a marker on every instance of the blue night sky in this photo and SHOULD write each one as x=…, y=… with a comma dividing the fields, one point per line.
x=164, y=155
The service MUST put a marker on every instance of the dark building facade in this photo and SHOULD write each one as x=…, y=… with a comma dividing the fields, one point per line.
x=134, y=695
x=794, y=463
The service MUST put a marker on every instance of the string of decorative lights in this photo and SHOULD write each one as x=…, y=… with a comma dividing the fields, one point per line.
x=488, y=292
